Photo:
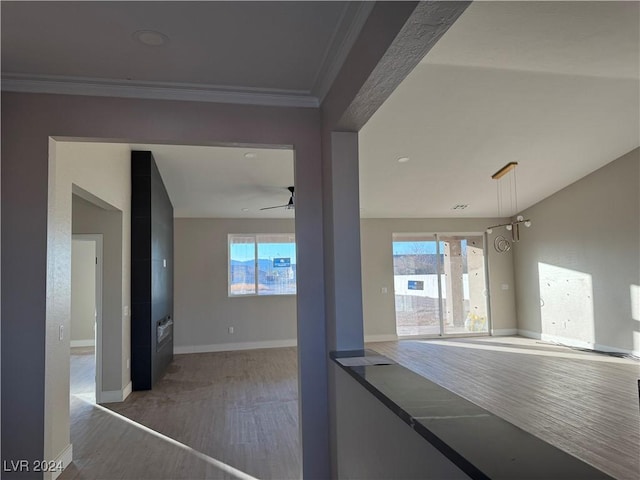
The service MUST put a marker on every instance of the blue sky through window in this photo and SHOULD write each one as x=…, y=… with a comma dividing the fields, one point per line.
x=243, y=252
x=421, y=247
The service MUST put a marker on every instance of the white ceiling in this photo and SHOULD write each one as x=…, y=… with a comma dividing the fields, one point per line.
x=280, y=51
x=221, y=182
x=551, y=85
x=598, y=39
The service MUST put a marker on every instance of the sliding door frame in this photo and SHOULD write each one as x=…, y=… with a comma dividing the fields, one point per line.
x=440, y=269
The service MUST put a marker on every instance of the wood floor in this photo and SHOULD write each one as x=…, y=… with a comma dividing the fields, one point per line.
x=210, y=411
x=235, y=414
x=584, y=403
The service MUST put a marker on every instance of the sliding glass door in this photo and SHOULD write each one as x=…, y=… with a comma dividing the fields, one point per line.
x=415, y=282
x=464, y=297
x=440, y=284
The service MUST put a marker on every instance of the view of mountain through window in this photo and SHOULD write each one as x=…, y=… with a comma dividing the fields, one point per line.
x=262, y=264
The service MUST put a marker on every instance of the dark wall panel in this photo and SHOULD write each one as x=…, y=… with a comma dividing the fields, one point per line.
x=151, y=272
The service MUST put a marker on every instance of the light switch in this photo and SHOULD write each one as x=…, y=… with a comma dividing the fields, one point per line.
x=61, y=332
x=383, y=290
x=164, y=262
x=505, y=286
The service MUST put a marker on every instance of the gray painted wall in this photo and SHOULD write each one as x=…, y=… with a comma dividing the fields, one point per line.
x=377, y=270
x=83, y=291
x=342, y=266
x=89, y=218
x=29, y=120
x=589, y=235
x=26, y=334
x=203, y=311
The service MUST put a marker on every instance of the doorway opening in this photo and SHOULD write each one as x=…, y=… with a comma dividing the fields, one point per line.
x=86, y=317
x=440, y=285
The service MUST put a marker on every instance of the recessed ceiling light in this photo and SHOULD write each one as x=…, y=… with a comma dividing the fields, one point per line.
x=250, y=155
x=151, y=38
x=403, y=159
x=245, y=209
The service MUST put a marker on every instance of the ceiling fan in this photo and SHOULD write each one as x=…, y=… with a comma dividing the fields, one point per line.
x=288, y=206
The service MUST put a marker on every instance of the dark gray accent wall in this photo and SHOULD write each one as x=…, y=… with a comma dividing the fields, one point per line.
x=151, y=272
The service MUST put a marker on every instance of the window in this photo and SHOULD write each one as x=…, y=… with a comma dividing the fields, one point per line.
x=262, y=264
x=440, y=284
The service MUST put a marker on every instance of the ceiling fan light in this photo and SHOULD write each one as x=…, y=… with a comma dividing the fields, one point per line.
x=519, y=218
x=509, y=227
x=527, y=223
x=489, y=231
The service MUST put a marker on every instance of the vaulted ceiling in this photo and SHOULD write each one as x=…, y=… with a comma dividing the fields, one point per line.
x=554, y=86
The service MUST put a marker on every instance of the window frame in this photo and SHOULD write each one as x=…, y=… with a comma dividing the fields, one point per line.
x=256, y=243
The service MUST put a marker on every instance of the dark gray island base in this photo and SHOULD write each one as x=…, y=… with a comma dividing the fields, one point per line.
x=479, y=443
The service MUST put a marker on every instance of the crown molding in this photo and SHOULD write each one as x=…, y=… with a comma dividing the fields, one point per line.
x=348, y=28
x=344, y=36
x=156, y=90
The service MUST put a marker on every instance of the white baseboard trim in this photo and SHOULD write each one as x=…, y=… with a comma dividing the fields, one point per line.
x=529, y=334
x=83, y=343
x=380, y=338
x=570, y=342
x=228, y=347
x=504, y=332
x=65, y=458
x=606, y=348
x=114, y=396
x=127, y=391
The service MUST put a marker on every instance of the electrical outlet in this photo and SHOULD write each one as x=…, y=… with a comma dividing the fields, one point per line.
x=505, y=286
x=383, y=290
x=230, y=329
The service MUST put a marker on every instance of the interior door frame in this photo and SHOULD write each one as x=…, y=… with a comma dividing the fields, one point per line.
x=97, y=238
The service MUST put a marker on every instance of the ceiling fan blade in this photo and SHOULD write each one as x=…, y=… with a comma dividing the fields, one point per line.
x=290, y=205
x=277, y=206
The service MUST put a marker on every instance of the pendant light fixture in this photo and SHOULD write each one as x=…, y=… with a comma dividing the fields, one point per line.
x=507, y=193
